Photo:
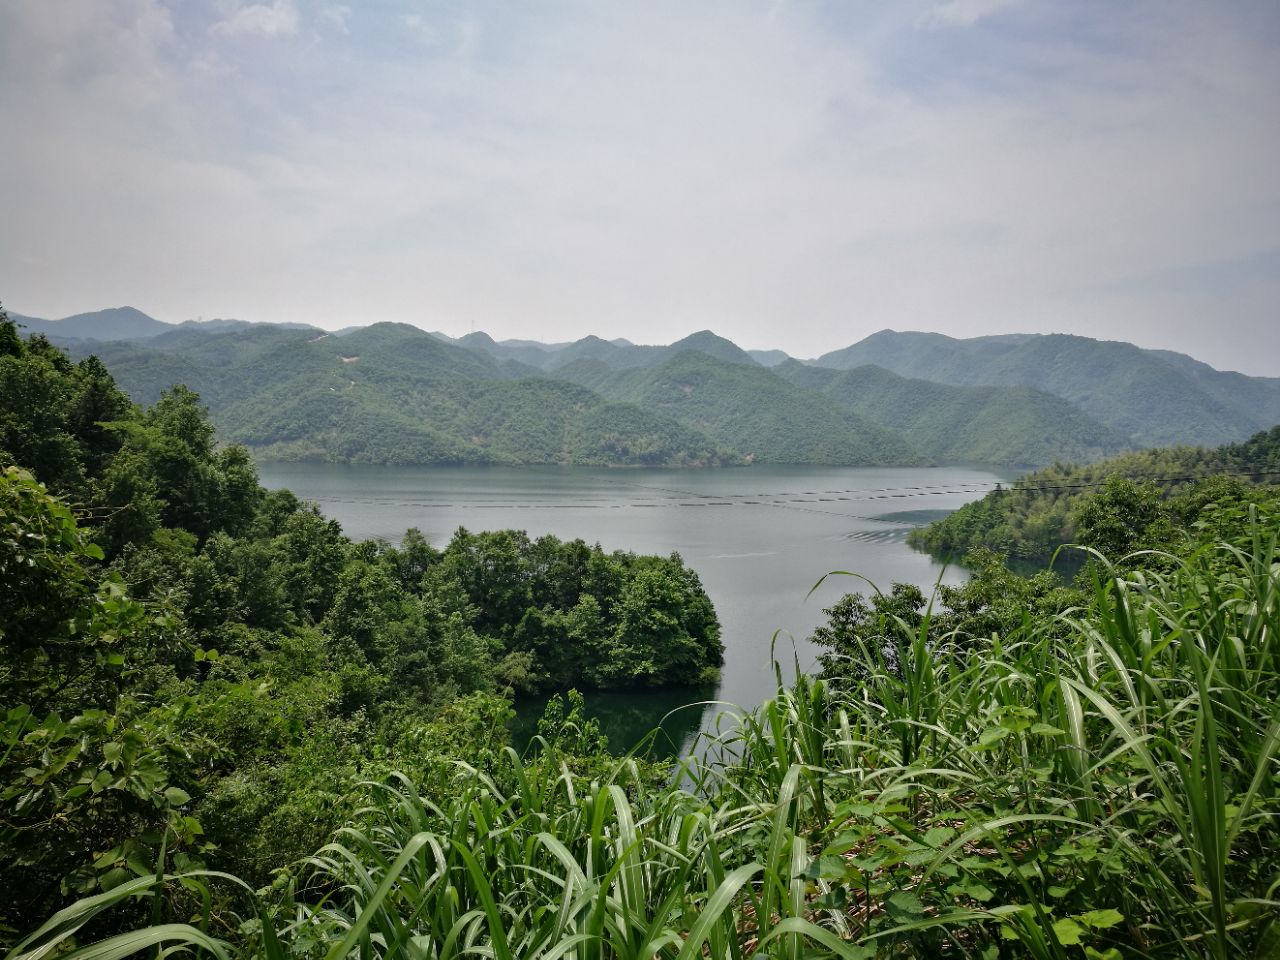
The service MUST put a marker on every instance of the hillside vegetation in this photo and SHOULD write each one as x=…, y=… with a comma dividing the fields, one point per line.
x=1150, y=398
x=1043, y=510
x=1051, y=774
x=393, y=394
x=1004, y=426
x=750, y=409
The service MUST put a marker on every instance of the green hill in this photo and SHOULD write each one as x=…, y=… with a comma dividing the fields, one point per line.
x=115, y=323
x=392, y=393
x=614, y=354
x=750, y=409
x=1007, y=426
x=1257, y=396
x=1037, y=514
x=1143, y=395
x=118, y=324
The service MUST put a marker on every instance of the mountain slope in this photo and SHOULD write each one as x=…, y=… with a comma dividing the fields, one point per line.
x=768, y=358
x=706, y=342
x=749, y=409
x=121, y=324
x=615, y=354
x=1137, y=393
x=1008, y=426
x=116, y=323
x=1257, y=395
x=393, y=393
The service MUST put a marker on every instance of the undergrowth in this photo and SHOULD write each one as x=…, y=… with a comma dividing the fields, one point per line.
x=1103, y=784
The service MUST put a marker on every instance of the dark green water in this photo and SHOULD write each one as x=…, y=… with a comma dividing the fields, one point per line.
x=759, y=537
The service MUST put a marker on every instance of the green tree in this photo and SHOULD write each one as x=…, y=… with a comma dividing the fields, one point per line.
x=1122, y=517
x=90, y=765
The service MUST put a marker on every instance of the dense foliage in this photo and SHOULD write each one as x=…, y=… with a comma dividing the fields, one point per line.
x=185, y=653
x=229, y=730
x=1030, y=519
x=1099, y=782
x=1006, y=426
x=749, y=409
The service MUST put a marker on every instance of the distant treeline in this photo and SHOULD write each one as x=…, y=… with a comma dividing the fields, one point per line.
x=391, y=393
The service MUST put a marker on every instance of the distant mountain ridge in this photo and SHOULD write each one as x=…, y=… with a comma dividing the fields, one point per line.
x=747, y=408
x=1010, y=400
x=129, y=323
x=1003, y=426
x=1149, y=397
x=392, y=393
x=115, y=323
x=616, y=354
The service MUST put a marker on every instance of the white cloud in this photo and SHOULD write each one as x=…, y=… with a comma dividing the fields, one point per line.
x=275, y=19
x=336, y=15
x=962, y=13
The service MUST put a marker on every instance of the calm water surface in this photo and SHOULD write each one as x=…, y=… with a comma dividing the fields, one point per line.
x=759, y=537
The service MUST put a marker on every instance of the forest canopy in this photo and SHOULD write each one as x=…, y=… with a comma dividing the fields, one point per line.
x=1041, y=511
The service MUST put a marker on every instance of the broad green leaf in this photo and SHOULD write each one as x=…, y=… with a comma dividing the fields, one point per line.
x=1101, y=919
x=177, y=796
x=1068, y=932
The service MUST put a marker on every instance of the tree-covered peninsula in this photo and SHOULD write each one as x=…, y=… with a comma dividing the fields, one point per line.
x=1146, y=496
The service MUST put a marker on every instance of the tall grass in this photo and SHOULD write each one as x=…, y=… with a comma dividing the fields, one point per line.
x=1110, y=790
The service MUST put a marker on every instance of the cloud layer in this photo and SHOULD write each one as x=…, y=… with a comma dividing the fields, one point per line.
x=792, y=175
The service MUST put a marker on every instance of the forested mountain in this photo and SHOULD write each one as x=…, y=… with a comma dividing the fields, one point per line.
x=614, y=354
x=391, y=393
x=1148, y=397
x=117, y=323
x=1256, y=396
x=1008, y=426
x=130, y=323
x=748, y=408
x=1041, y=511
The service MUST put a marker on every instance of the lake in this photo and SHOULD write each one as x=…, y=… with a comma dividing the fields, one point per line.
x=759, y=537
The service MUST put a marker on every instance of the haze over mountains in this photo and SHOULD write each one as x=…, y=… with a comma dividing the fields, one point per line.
x=395, y=393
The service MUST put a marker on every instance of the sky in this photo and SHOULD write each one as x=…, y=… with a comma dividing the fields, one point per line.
x=788, y=174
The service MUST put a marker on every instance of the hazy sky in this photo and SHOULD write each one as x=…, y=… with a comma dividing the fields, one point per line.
x=788, y=174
